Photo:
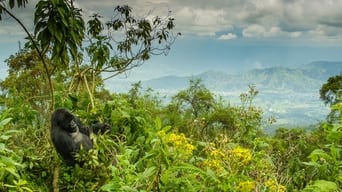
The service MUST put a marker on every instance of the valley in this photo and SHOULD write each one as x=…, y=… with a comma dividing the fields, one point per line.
x=290, y=95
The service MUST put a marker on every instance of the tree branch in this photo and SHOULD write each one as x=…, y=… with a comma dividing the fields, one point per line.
x=38, y=51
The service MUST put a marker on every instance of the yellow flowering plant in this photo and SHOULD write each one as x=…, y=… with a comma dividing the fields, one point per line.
x=241, y=156
x=179, y=145
x=246, y=186
x=273, y=186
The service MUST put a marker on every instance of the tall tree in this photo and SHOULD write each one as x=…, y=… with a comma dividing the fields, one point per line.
x=331, y=94
x=197, y=99
x=59, y=31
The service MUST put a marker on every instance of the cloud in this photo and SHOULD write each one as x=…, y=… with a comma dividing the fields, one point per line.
x=228, y=36
x=253, y=18
x=10, y=29
x=295, y=34
x=254, y=31
x=203, y=22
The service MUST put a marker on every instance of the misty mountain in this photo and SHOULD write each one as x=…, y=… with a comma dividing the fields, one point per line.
x=291, y=95
x=322, y=70
x=306, y=78
x=170, y=82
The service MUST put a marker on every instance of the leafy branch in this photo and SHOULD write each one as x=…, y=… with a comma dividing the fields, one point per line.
x=35, y=45
x=136, y=39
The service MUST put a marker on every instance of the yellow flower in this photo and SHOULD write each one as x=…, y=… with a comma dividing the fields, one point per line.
x=246, y=186
x=213, y=164
x=273, y=186
x=242, y=155
x=161, y=133
x=177, y=139
x=180, y=143
x=217, y=154
x=211, y=144
x=189, y=148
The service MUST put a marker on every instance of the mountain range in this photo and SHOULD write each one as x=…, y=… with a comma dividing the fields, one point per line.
x=290, y=95
x=305, y=78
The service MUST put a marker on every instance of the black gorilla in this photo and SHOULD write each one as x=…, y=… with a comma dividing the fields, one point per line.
x=68, y=134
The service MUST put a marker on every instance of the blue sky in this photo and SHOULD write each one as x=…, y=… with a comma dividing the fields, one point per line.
x=224, y=35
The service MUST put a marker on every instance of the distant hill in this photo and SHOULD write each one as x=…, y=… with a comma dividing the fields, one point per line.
x=167, y=82
x=322, y=70
x=305, y=78
x=291, y=95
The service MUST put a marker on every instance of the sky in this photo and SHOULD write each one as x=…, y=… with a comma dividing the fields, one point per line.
x=221, y=35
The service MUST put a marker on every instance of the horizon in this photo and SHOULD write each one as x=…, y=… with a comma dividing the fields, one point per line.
x=124, y=77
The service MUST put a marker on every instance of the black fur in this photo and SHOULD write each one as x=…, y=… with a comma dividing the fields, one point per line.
x=100, y=128
x=68, y=134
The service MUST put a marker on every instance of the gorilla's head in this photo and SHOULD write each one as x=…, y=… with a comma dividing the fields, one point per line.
x=65, y=120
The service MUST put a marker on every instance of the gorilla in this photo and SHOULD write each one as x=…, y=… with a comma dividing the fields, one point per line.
x=68, y=134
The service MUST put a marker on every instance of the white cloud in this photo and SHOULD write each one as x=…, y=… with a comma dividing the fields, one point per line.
x=228, y=36
x=201, y=21
x=253, y=18
x=295, y=34
x=258, y=31
x=254, y=31
x=273, y=32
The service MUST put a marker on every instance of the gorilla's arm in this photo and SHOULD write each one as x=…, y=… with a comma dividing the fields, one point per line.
x=100, y=128
x=78, y=137
x=81, y=127
x=86, y=142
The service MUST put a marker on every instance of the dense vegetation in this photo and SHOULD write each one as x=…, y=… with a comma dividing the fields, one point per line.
x=196, y=142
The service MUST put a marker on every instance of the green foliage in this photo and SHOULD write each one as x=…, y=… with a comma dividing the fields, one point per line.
x=60, y=30
x=11, y=178
x=96, y=170
x=95, y=26
x=166, y=148
x=140, y=32
x=60, y=26
x=196, y=112
x=331, y=94
x=321, y=186
x=195, y=143
x=25, y=84
x=288, y=148
x=326, y=160
x=174, y=163
x=331, y=91
x=99, y=52
x=130, y=115
x=135, y=40
x=195, y=100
